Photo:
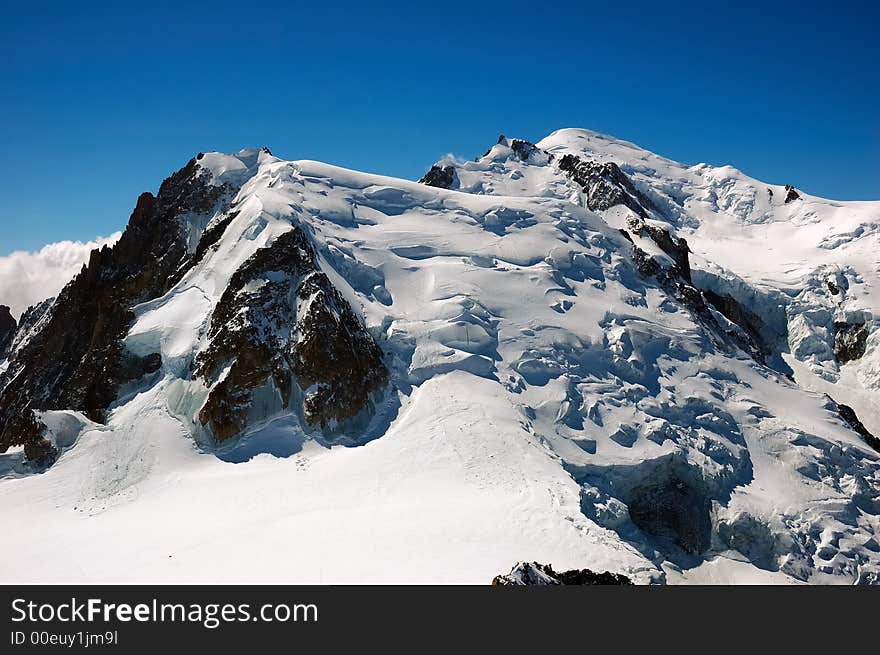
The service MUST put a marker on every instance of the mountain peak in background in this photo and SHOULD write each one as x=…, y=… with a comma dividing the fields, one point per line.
x=573, y=350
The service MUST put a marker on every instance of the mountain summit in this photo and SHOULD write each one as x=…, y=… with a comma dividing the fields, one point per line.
x=571, y=351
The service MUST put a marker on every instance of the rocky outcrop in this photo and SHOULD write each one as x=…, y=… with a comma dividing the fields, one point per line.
x=743, y=328
x=212, y=234
x=645, y=264
x=604, y=185
x=848, y=414
x=281, y=327
x=30, y=323
x=72, y=356
x=850, y=341
x=280, y=332
x=535, y=574
x=8, y=327
x=441, y=177
x=791, y=194
x=38, y=450
x=676, y=248
x=523, y=149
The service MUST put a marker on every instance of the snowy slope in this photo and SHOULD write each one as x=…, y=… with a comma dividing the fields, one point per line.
x=787, y=252
x=547, y=399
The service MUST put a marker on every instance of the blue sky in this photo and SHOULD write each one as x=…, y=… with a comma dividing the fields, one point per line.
x=100, y=102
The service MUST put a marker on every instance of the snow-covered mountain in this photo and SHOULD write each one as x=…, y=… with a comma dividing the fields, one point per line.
x=573, y=352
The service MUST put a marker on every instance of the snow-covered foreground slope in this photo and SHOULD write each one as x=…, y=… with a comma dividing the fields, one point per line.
x=560, y=381
x=453, y=489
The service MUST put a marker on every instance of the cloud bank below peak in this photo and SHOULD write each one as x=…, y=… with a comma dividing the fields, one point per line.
x=27, y=278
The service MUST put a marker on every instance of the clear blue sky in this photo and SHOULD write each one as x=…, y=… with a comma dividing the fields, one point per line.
x=100, y=102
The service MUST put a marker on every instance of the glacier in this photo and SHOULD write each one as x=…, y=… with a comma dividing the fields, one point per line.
x=593, y=357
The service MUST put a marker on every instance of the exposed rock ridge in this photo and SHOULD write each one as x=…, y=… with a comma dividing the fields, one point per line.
x=604, y=185
x=440, y=176
x=535, y=574
x=73, y=357
x=521, y=148
x=848, y=414
x=676, y=247
x=30, y=323
x=280, y=321
x=850, y=341
x=8, y=327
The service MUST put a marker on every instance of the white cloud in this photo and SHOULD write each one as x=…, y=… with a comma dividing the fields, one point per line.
x=29, y=277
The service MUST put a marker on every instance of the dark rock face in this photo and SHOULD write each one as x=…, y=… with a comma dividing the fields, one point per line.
x=281, y=321
x=212, y=235
x=73, y=356
x=676, y=248
x=38, y=450
x=523, y=149
x=535, y=574
x=605, y=185
x=791, y=194
x=442, y=177
x=335, y=354
x=645, y=264
x=848, y=414
x=29, y=324
x=850, y=341
x=693, y=299
x=7, y=330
